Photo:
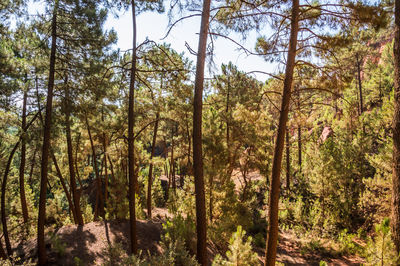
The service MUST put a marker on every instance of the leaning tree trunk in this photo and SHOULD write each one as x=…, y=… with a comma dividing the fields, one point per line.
x=23, y=160
x=46, y=143
x=64, y=186
x=272, y=235
x=396, y=133
x=3, y=200
x=4, y=189
x=201, y=223
x=75, y=195
x=150, y=180
x=131, y=140
x=99, y=207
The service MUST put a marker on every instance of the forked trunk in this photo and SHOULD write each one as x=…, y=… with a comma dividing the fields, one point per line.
x=46, y=143
x=75, y=195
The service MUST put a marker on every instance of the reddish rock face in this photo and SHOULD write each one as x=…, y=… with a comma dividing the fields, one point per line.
x=326, y=133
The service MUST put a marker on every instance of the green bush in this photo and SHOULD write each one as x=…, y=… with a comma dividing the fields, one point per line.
x=240, y=252
x=180, y=229
x=347, y=245
x=381, y=250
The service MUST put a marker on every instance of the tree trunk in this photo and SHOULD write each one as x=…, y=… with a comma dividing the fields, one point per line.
x=33, y=162
x=76, y=161
x=201, y=222
x=112, y=169
x=23, y=160
x=150, y=180
x=99, y=194
x=358, y=62
x=75, y=195
x=131, y=141
x=46, y=143
x=287, y=160
x=272, y=235
x=172, y=165
x=299, y=147
x=3, y=199
x=59, y=174
x=396, y=133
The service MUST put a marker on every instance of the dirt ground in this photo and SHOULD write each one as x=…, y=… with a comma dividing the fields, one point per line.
x=90, y=242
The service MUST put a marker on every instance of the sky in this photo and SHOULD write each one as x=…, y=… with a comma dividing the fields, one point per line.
x=154, y=26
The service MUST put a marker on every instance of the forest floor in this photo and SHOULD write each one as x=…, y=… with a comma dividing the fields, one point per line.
x=90, y=243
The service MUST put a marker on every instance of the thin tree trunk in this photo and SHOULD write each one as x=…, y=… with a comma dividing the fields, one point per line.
x=75, y=195
x=172, y=165
x=99, y=197
x=299, y=147
x=46, y=143
x=3, y=199
x=105, y=167
x=4, y=188
x=287, y=160
x=150, y=180
x=358, y=61
x=201, y=222
x=272, y=235
x=112, y=169
x=23, y=160
x=33, y=162
x=67, y=193
x=76, y=161
x=396, y=134
x=131, y=140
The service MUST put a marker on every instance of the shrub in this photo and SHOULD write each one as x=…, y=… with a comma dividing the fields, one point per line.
x=381, y=250
x=180, y=229
x=240, y=252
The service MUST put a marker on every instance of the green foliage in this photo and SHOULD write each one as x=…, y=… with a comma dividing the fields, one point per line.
x=57, y=245
x=381, y=250
x=240, y=252
x=117, y=204
x=174, y=253
x=347, y=244
x=87, y=211
x=180, y=229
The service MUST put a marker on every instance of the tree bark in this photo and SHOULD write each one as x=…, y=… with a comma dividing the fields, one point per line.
x=358, y=61
x=111, y=168
x=75, y=195
x=150, y=180
x=67, y=193
x=299, y=147
x=287, y=160
x=23, y=160
x=272, y=235
x=46, y=143
x=3, y=200
x=33, y=162
x=172, y=165
x=131, y=140
x=99, y=194
x=396, y=133
x=201, y=222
